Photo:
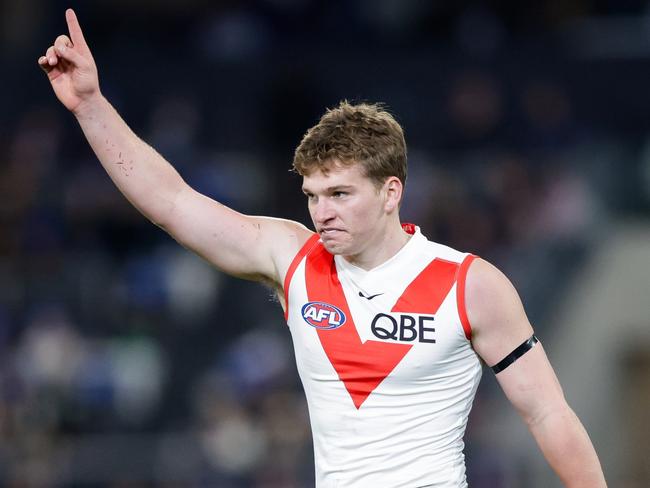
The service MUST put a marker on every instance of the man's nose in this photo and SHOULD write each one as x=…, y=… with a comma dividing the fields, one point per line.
x=323, y=211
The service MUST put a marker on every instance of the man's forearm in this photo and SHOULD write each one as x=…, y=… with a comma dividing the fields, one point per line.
x=147, y=180
x=568, y=449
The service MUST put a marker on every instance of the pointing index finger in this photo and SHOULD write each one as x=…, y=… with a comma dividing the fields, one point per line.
x=75, y=29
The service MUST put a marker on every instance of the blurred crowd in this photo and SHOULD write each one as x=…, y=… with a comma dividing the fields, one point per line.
x=125, y=361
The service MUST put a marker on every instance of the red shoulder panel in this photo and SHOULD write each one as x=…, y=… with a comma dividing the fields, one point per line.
x=307, y=246
x=460, y=295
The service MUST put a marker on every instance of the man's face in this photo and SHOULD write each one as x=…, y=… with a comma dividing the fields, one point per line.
x=346, y=207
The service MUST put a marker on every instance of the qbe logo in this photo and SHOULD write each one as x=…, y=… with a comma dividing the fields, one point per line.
x=322, y=315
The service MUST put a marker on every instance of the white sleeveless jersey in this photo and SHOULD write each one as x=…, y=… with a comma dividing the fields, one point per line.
x=386, y=363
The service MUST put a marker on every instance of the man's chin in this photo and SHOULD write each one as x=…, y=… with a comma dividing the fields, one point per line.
x=334, y=248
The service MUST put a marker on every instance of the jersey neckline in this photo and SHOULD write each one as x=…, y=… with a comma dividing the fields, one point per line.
x=343, y=264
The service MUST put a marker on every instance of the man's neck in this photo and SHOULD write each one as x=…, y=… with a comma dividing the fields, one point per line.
x=381, y=250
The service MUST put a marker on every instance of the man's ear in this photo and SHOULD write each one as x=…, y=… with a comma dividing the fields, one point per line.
x=393, y=188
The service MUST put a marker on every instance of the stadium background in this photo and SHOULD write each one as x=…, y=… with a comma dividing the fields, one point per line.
x=126, y=362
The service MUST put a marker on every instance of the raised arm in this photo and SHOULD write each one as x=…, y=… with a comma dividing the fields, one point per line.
x=258, y=248
x=499, y=326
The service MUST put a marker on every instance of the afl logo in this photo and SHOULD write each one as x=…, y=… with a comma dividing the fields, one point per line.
x=321, y=315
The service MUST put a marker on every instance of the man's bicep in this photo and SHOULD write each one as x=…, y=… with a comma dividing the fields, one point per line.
x=531, y=386
x=496, y=314
x=502, y=330
x=238, y=244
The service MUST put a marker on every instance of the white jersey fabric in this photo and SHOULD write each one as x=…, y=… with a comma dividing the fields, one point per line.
x=386, y=363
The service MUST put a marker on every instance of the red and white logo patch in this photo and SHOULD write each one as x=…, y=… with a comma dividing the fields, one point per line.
x=323, y=315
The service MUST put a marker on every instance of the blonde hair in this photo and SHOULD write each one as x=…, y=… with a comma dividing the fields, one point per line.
x=351, y=134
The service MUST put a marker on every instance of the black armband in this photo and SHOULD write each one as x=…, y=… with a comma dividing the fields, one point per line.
x=516, y=354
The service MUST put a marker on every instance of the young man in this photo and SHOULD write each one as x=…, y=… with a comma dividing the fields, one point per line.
x=388, y=327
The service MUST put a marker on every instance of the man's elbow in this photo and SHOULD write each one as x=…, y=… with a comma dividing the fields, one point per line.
x=547, y=411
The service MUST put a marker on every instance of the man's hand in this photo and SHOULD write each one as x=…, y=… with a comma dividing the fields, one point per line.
x=70, y=67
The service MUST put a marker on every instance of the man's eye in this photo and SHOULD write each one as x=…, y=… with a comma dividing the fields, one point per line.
x=338, y=194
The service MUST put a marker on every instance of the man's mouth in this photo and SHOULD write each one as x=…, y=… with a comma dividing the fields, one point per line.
x=328, y=231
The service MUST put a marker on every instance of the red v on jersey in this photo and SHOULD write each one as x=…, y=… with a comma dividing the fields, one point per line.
x=429, y=289
x=363, y=366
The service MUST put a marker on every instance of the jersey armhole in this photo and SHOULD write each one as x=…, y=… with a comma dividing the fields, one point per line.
x=307, y=246
x=460, y=295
